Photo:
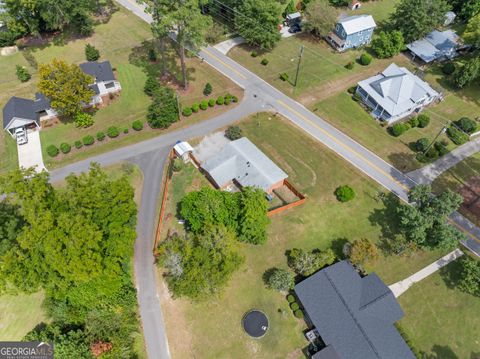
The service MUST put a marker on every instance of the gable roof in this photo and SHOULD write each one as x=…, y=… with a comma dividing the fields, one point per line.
x=242, y=161
x=356, y=23
x=396, y=89
x=41, y=102
x=101, y=71
x=436, y=45
x=18, y=107
x=354, y=316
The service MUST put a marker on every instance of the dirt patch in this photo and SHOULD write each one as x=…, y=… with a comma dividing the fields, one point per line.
x=471, y=197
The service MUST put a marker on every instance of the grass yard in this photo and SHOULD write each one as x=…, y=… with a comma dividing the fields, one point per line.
x=120, y=41
x=19, y=314
x=440, y=319
x=212, y=329
x=380, y=10
x=348, y=116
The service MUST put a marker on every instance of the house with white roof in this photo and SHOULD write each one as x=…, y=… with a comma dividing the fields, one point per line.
x=395, y=93
x=242, y=164
x=436, y=46
x=352, y=31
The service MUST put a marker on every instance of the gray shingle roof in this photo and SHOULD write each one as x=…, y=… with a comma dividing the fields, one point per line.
x=354, y=315
x=41, y=102
x=326, y=353
x=102, y=71
x=243, y=161
x=18, y=107
x=436, y=45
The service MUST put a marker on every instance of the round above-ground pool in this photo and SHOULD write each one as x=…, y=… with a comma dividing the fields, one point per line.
x=255, y=323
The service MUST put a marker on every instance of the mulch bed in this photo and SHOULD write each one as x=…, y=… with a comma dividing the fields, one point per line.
x=471, y=196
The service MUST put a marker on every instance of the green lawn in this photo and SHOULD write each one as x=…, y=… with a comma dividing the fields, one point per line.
x=19, y=314
x=321, y=222
x=440, y=319
x=380, y=10
x=120, y=41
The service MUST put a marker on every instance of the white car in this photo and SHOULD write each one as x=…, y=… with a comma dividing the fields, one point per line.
x=21, y=135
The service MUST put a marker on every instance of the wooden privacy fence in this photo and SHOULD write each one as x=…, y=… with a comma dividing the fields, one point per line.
x=301, y=200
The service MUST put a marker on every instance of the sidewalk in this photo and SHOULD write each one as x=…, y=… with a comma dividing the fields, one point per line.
x=225, y=46
x=400, y=287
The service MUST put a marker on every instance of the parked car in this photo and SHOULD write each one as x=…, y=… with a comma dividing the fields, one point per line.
x=21, y=135
x=294, y=29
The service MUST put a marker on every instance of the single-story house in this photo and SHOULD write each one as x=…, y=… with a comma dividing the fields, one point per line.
x=240, y=162
x=21, y=112
x=395, y=93
x=354, y=316
x=352, y=31
x=436, y=46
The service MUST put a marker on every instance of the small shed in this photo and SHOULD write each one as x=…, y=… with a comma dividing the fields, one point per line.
x=183, y=149
x=449, y=18
x=355, y=4
x=293, y=19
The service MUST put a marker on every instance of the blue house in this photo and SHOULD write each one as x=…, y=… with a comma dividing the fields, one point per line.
x=352, y=31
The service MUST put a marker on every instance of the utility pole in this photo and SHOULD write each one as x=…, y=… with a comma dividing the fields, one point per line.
x=298, y=65
x=442, y=130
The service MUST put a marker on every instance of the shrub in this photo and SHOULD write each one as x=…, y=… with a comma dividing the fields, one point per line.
x=88, y=140
x=52, y=150
x=22, y=73
x=388, y=44
x=344, y=193
x=91, y=53
x=151, y=85
x=137, y=125
x=177, y=164
x=398, y=129
x=352, y=90
x=298, y=314
x=422, y=144
x=294, y=306
x=365, y=59
x=163, y=111
x=432, y=153
x=100, y=136
x=233, y=133
x=423, y=120
x=228, y=99
x=356, y=97
x=284, y=76
x=125, y=130
x=208, y=89
x=211, y=102
x=457, y=136
x=467, y=125
x=413, y=122
x=195, y=107
x=204, y=105
x=279, y=279
x=112, y=132
x=448, y=68
x=234, y=99
x=264, y=62
x=254, y=53
x=78, y=144
x=187, y=111
x=441, y=148
x=290, y=298
x=152, y=54
x=65, y=147
x=350, y=65
x=220, y=100
x=83, y=120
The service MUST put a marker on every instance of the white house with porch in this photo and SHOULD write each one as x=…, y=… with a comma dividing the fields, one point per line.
x=395, y=93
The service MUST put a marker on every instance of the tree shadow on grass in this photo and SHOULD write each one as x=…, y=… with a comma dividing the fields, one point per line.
x=337, y=247
x=405, y=162
x=451, y=273
x=387, y=218
x=440, y=352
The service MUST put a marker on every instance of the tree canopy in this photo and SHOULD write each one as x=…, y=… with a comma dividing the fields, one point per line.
x=257, y=22
x=471, y=34
x=467, y=73
x=465, y=9
x=416, y=18
x=425, y=221
x=306, y=263
x=363, y=250
x=66, y=86
x=163, y=111
x=470, y=276
x=388, y=44
x=320, y=17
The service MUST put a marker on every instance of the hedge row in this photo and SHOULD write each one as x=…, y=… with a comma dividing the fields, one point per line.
x=89, y=140
x=295, y=307
x=400, y=128
x=204, y=105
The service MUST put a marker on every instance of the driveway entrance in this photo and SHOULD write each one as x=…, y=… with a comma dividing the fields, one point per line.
x=30, y=154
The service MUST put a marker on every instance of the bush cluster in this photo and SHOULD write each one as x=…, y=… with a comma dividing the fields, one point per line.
x=137, y=125
x=78, y=144
x=344, y=193
x=195, y=107
x=457, y=136
x=365, y=59
x=22, y=73
x=83, y=120
x=100, y=136
x=208, y=89
x=398, y=129
x=264, y=62
x=448, y=68
x=65, y=148
x=91, y=53
x=254, y=53
x=350, y=65
x=205, y=104
x=88, y=140
x=423, y=120
x=113, y=132
x=233, y=133
x=466, y=125
x=52, y=150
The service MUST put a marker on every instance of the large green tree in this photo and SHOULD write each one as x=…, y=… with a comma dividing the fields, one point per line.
x=257, y=22
x=416, y=18
x=472, y=31
x=163, y=111
x=388, y=44
x=185, y=19
x=470, y=276
x=306, y=263
x=253, y=220
x=425, y=221
x=320, y=17
x=199, y=266
x=66, y=85
x=467, y=73
x=465, y=9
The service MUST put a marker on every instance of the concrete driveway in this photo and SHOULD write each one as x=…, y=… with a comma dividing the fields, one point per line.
x=30, y=154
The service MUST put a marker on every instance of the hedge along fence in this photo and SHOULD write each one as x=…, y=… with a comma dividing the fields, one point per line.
x=89, y=140
x=209, y=103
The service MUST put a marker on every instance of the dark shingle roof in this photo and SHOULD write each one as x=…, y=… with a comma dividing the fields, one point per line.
x=41, y=102
x=18, y=107
x=354, y=315
x=326, y=353
x=102, y=71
